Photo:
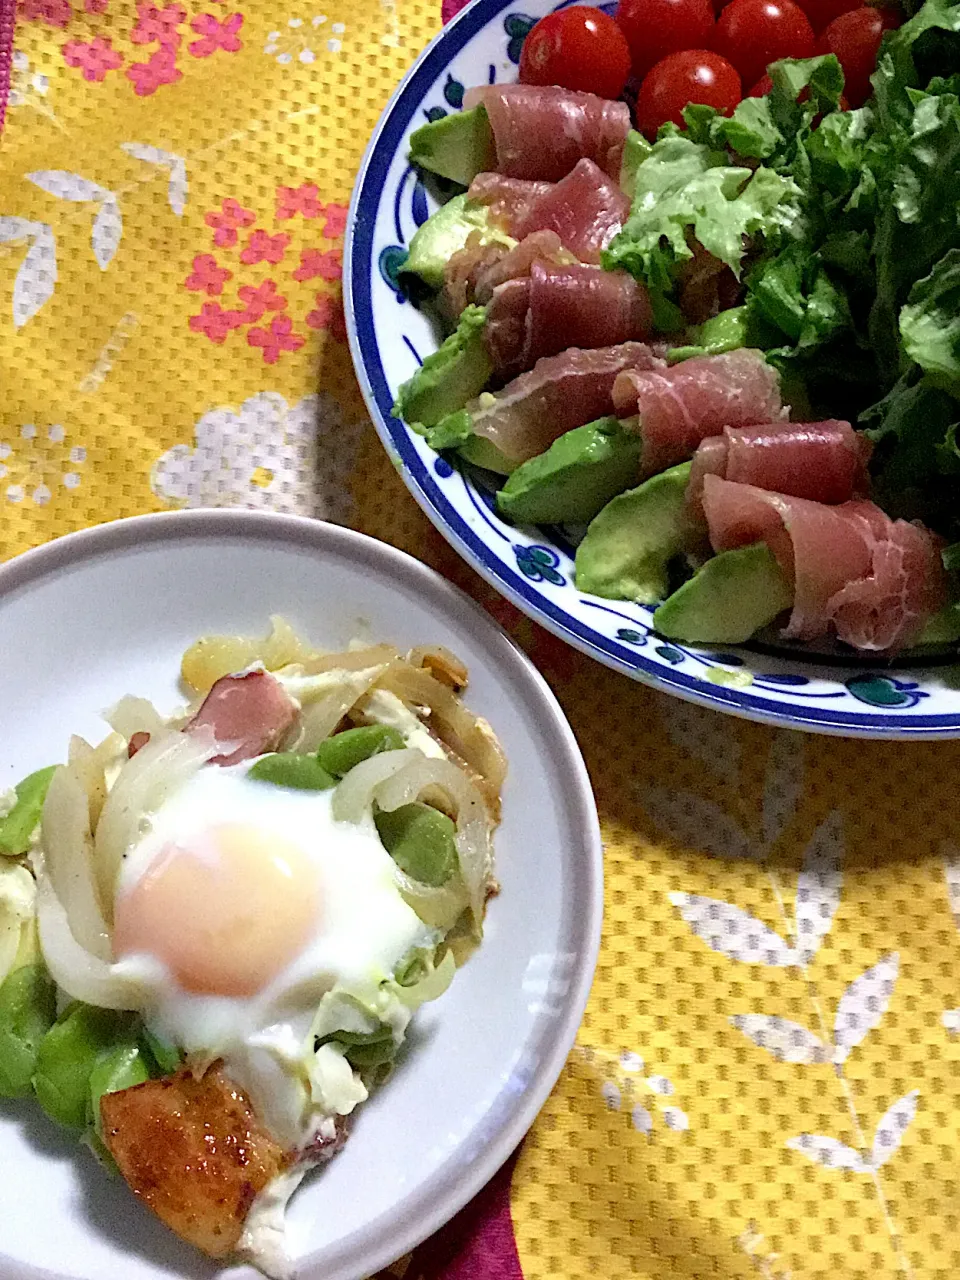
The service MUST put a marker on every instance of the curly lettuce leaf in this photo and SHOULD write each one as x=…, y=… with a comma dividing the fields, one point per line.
x=687, y=191
x=930, y=323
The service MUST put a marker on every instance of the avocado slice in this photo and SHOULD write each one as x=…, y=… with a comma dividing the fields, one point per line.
x=457, y=147
x=628, y=547
x=450, y=376
x=731, y=329
x=635, y=151
x=578, y=474
x=727, y=600
x=446, y=232
x=484, y=453
x=455, y=431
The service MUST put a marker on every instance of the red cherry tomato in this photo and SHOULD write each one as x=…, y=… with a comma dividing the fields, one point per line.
x=577, y=48
x=655, y=28
x=855, y=39
x=822, y=12
x=761, y=88
x=694, y=75
x=753, y=33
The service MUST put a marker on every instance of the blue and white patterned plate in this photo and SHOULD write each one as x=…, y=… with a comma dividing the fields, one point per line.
x=825, y=692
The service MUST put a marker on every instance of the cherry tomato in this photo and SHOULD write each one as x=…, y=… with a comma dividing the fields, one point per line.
x=655, y=28
x=753, y=33
x=577, y=48
x=761, y=88
x=822, y=12
x=855, y=39
x=694, y=75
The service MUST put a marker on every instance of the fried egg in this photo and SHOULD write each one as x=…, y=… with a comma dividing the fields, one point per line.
x=240, y=907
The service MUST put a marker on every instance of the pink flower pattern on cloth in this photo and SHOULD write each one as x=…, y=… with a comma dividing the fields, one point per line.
x=158, y=26
x=327, y=314
x=263, y=247
x=279, y=337
x=55, y=12
x=261, y=298
x=303, y=200
x=147, y=77
x=207, y=276
x=216, y=34
x=226, y=223
x=327, y=265
x=94, y=59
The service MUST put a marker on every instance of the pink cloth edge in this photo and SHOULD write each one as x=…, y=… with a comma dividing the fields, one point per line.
x=8, y=19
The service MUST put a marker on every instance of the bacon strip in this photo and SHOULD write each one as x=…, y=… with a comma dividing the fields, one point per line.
x=250, y=713
x=876, y=581
x=823, y=461
x=541, y=131
x=685, y=404
x=586, y=209
x=559, y=393
x=559, y=307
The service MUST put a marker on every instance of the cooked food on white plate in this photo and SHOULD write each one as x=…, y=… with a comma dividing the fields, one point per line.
x=215, y=926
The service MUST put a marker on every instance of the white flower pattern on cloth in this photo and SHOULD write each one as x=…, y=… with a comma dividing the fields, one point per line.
x=38, y=461
x=266, y=455
x=297, y=41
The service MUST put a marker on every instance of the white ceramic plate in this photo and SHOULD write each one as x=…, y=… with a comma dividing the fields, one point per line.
x=109, y=611
x=831, y=692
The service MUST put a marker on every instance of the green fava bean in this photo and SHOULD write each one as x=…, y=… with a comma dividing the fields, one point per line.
x=287, y=769
x=340, y=753
x=27, y=1012
x=164, y=1054
x=121, y=1067
x=420, y=839
x=66, y=1058
x=20, y=823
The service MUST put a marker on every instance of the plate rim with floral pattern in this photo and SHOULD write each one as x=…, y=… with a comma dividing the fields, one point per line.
x=835, y=693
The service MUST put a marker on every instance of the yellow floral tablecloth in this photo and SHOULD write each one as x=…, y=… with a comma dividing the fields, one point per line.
x=766, y=1081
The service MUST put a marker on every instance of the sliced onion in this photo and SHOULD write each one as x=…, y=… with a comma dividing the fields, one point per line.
x=142, y=785
x=473, y=823
x=469, y=736
x=65, y=838
x=353, y=798
x=437, y=657
x=90, y=764
x=320, y=718
x=73, y=968
x=135, y=715
x=350, y=659
x=438, y=906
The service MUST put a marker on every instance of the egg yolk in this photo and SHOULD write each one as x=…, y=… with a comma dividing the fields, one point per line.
x=225, y=914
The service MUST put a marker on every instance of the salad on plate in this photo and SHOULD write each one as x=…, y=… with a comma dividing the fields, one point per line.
x=215, y=926
x=720, y=351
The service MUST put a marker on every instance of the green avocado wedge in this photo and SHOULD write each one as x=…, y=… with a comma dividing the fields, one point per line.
x=457, y=146
x=446, y=232
x=728, y=599
x=450, y=376
x=628, y=547
x=575, y=477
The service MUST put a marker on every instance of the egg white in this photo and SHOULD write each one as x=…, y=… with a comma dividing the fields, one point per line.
x=363, y=931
